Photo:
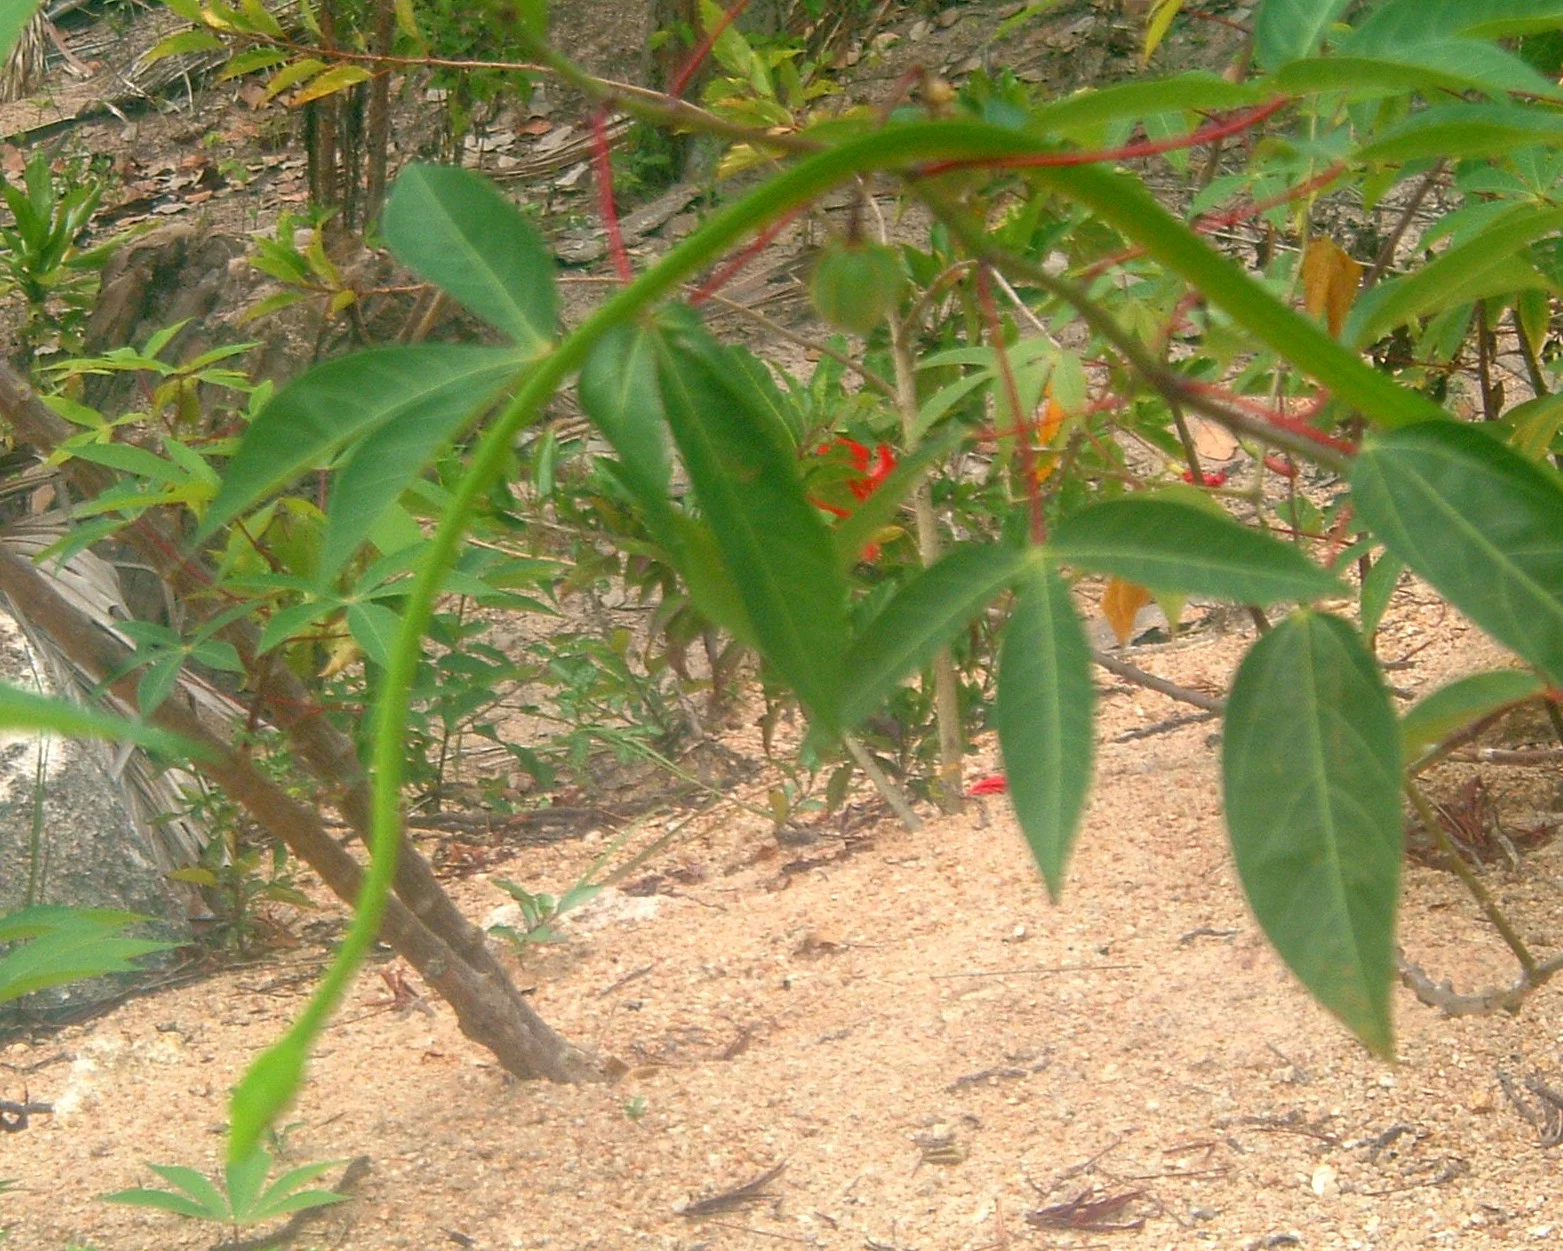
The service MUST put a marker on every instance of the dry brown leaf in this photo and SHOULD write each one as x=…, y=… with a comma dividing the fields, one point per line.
x=1211, y=441
x=1121, y=601
x=1330, y=282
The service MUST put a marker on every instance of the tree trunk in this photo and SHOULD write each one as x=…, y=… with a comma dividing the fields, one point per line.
x=322, y=749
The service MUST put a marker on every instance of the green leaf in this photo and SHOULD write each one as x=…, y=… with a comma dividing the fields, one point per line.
x=197, y=1185
x=374, y=628
x=775, y=547
x=922, y=617
x=385, y=463
x=618, y=390
x=267, y=1088
x=176, y=44
x=1377, y=588
x=1534, y=425
x=26, y=710
x=319, y=413
x=1311, y=764
x=457, y=230
x=1457, y=131
x=1451, y=65
x=1285, y=30
x=329, y=82
x=1171, y=546
x=1399, y=23
x=283, y=1196
x=245, y=1177
x=163, y=1201
x=1085, y=110
x=60, y=945
x=1046, y=704
x=1448, y=279
x=1461, y=703
x=1478, y=521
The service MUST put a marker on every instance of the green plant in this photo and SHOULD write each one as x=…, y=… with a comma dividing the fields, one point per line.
x=51, y=945
x=540, y=911
x=242, y=1199
x=40, y=259
x=1006, y=484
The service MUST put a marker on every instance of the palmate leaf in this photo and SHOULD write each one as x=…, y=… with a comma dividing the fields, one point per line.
x=456, y=229
x=1046, y=704
x=66, y=945
x=1285, y=30
x=1478, y=521
x=774, y=545
x=1171, y=546
x=1311, y=774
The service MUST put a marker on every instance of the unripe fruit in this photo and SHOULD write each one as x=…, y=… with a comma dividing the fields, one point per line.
x=857, y=285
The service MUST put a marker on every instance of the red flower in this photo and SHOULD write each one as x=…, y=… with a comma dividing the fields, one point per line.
x=872, y=467
x=993, y=784
x=1211, y=479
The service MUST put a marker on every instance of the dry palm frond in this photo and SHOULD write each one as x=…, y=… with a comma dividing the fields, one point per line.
x=23, y=69
x=158, y=799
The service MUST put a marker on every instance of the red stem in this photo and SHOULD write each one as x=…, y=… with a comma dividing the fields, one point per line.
x=1028, y=456
x=605, y=206
x=724, y=275
x=1133, y=151
x=703, y=48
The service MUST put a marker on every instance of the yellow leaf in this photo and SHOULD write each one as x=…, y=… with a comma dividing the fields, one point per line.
x=337, y=78
x=1156, y=29
x=1330, y=282
x=1121, y=601
x=343, y=654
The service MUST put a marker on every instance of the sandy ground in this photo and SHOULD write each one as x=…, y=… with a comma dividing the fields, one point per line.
x=934, y=1053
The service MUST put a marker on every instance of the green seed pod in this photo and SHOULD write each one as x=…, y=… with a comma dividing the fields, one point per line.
x=857, y=285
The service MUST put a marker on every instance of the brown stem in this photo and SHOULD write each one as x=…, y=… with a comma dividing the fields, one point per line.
x=1386, y=254
x=505, y=1024
x=1484, y=363
x=377, y=127
x=1457, y=866
x=323, y=749
x=946, y=689
x=1538, y=380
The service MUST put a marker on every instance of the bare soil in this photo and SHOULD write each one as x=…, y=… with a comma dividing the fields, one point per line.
x=936, y=1055
x=933, y=1055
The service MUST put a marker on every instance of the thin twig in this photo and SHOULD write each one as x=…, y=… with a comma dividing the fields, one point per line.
x=888, y=790
x=876, y=381
x=1151, y=682
x=1457, y=865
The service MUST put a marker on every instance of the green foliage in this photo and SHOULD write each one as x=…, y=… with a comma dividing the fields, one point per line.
x=1311, y=761
x=40, y=257
x=51, y=945
x=243, y=1199
x=756, y=510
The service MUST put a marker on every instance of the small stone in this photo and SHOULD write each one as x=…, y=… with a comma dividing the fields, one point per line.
x=1324, y=1182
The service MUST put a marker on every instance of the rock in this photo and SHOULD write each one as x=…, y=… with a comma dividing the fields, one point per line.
x=68, y=834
